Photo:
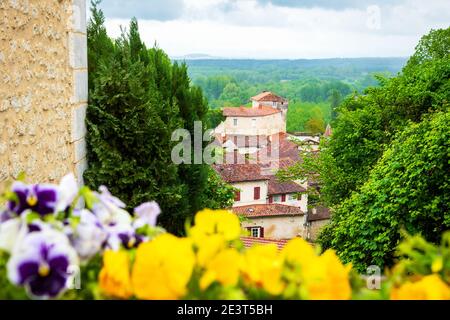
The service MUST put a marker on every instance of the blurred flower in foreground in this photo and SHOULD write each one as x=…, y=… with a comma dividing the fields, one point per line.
x=263, y=267
x=163, y=268
x=430, y=287
x=40, y=198
x=209, y=222
x=114, y=278
x=146, y=214
x=326, y=278
x=223, y=268
x=41, y=263
x=88, y=236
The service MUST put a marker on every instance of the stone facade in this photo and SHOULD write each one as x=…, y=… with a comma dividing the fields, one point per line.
x=314, y=228
x=252, y=126
x=43, y=89
x=278, y=227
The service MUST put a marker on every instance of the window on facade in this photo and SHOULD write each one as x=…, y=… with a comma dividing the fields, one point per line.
x=270, y=199
x=256, y=193
x=276, y=198
x=283, y=198
x=257, y=232
x=235, y=122
x=237, y=196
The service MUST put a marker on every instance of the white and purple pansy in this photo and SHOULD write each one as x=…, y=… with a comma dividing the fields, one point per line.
x=40, y=198
x=43, y=199
x=109, y=209
x=67, y=192
x=41, y=263
x=123, y=236
x=9, y=233
x=146, y=214
x=89, y=235
x=6, y=215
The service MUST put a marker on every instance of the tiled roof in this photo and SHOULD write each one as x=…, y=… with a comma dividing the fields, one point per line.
x=250, y=241
x=267, y=96
x=240, y=172
x=277, y=187
x=267, y=210
x=284, y=149
x=249, y=112
x=318, y=213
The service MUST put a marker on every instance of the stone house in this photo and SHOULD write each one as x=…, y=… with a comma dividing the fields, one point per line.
x=256, y=147
x=316, y=219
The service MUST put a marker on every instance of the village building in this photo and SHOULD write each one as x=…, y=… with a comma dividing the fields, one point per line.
x=248, y=129
x=256, y=146
x=306, y=141
x=316, y=219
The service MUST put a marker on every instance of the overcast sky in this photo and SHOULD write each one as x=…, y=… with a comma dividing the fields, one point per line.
x=275, y=29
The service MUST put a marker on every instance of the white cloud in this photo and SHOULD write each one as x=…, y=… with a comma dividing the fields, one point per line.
x=250, y=29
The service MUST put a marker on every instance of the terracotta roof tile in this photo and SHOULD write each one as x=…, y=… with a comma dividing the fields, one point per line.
x=285, y=150
x=318, y=213
x=277, y=187
x=267, y=96
x=250, y=241
x=249, y=112
x=267, y=210
x=240, y=172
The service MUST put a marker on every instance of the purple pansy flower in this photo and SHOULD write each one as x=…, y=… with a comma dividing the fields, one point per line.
x=146, y=214
x=5, y=215
x=109, y=209
x=68, y=190
x=40, y=198
x=131, y=240
x=89, y=235
x=123, y=235
x=43, y=198
x=41, y=263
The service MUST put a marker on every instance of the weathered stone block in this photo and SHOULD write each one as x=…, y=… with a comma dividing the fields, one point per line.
x=80, y=167
x=78, y=50
x=80, y=150
x=79, y=15
x=78, y=123
x=80, y=86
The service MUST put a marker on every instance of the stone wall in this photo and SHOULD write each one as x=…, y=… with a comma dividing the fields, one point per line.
x=43, y=89
x=314, y=228
x=278, y=227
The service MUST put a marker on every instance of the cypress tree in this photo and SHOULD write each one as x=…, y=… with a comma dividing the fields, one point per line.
x=137, y=98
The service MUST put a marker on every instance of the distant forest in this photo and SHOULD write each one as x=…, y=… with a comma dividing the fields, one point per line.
x=314, y=87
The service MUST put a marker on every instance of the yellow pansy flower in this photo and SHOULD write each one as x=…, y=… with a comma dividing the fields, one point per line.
x=430, y=287
x=221, y=222
x=163, y=268
x=298, y=251
x=263, y=266
x=114, y=278
x=437, y=264
x=208, y=247
x=326, y=278
x=223, y=268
